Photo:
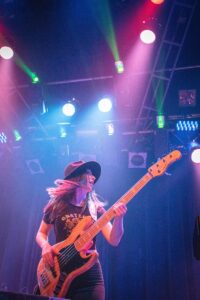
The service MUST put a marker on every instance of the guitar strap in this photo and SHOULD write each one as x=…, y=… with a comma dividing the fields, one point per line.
x=92, y=209
x=83, y=207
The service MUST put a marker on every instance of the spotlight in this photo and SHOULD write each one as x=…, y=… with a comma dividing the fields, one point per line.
x=6, y=52
x=63, y=132
x=157, y=1
x=119, y=66
x=17, y=135
x=160, y=120
x=147, y=36
x=150, y=28
x=110, y=128
x=3, y=138
x=105, y=105
x=195, y=155
x=69, y=109
x=187, y=125
x=35, y=78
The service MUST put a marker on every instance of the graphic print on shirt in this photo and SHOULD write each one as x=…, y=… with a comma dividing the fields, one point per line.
x=71, y=220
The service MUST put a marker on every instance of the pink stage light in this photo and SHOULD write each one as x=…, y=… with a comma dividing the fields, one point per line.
x=147, y=36
x=6, y=52
x=157, y=1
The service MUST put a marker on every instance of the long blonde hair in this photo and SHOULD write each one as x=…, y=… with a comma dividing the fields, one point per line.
x=63, y=193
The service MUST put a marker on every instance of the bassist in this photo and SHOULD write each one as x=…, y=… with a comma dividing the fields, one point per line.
x=72, y=200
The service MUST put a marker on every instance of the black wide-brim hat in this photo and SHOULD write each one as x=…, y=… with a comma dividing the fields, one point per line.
x=77, y=168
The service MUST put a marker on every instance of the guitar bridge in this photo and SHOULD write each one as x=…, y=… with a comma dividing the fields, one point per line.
x=53, y=272
x=61, y=280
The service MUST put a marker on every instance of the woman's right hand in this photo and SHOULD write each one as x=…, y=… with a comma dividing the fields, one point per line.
x=48, y=254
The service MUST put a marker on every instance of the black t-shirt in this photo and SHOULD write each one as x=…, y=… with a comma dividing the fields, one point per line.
x=65, y=222
x=63, y=226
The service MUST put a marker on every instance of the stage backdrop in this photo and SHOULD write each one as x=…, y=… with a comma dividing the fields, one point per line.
x=154, y=260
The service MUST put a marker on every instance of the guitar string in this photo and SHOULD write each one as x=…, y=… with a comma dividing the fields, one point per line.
x=65, y=256
x=69, y=253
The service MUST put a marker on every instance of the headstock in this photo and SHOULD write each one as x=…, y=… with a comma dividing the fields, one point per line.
x=161, y=166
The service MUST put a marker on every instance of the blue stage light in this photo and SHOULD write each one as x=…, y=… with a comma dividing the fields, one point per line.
x=105, y=105
x=187, y=125
x=69, y=109
x=3, y=138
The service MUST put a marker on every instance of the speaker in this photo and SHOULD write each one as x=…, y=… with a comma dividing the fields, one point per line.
x=17, y=296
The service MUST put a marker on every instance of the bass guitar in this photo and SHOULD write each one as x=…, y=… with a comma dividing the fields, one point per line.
x=73, y=258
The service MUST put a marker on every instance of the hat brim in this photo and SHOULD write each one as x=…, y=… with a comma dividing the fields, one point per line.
x=93, y=166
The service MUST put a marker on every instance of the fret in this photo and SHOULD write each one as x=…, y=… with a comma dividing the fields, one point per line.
x=92, y=231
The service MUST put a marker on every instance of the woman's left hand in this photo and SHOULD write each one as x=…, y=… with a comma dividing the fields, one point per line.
x=120, y=209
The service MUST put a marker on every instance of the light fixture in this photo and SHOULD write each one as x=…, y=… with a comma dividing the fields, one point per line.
x=70, y=107
x=62, y=132
x=149, y=30
x=119, y=66
x=158, y=2
x=6, y=52
x=17, y=135
x=105, y=105
x=160, y=120
x=110, y=129
x=3, y=138
x=137, y=160
x=35, y=79
x=195, y=155
x=187, y=125
x=187, y=98
x=147, y=36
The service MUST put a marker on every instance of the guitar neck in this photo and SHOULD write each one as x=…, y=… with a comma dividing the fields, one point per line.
x=92, y=231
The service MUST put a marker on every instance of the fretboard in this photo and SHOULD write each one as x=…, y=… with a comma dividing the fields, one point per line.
x=95, y=228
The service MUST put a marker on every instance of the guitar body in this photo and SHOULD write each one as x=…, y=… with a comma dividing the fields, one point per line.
x=70, y=263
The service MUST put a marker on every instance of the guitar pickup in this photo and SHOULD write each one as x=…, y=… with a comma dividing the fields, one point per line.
x=53, y=272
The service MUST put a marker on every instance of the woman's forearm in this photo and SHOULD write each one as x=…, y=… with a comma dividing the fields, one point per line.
x=117, y=231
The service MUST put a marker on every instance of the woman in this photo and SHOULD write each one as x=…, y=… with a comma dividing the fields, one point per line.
x=70, y=202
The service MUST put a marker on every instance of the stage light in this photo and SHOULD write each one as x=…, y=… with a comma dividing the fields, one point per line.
x=195, y=155
x=110, y=128
x=69, y=109
x=119, y=66
x=105, y=105
x=157, y=1
x=17, y=135
x=187, y=125
x=150, y=28
x=187, y=98
x=6, y=52
x=147, y=36
x=160, y=120
x=63, y=132
x=3, y=138
x=35, y=78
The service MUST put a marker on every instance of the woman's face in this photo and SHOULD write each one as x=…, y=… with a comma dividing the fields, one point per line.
x=87, y=180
